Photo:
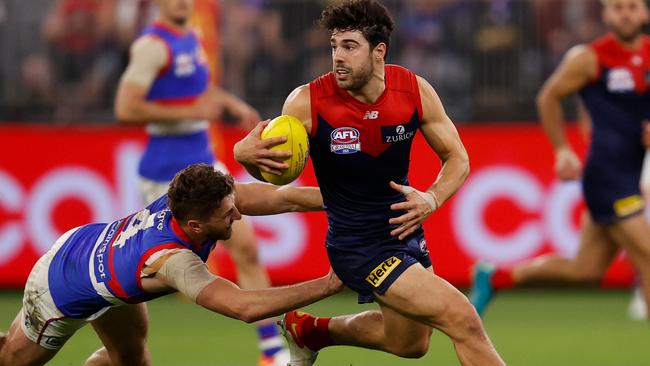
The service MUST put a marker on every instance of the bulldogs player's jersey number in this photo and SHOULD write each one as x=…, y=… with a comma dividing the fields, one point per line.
x=139, y=222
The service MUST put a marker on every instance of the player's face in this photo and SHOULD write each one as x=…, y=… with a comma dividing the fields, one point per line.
x=351, y=59
x=625, y=17
x=219, y=225
x=177, y=11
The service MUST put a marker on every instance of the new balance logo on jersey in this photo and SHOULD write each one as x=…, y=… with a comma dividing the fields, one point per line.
x=371, y=115
x=392, y=134
x=379, y=274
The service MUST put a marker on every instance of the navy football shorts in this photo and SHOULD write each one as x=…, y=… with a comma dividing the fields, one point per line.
x=372, y=268
x=611, y=193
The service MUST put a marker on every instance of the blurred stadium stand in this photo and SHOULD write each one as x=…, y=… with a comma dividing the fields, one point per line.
x=61, y=60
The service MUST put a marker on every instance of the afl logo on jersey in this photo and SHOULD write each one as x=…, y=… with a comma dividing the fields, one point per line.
x=620, y=80
x=345, y=140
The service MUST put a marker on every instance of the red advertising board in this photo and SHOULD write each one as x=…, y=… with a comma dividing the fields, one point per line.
x=510, y=209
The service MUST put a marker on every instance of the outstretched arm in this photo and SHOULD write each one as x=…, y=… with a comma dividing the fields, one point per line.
x=185, y=272
x=267, y=199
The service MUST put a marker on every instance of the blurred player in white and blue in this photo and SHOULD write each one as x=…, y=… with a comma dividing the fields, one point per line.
x=103, y=273
x=167, y=85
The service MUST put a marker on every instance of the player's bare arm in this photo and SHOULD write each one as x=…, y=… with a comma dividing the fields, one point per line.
x=246, y=115
x=267, y=199
x=442, y=136
x=255, y=154
x=184, y=271
x=148, y=57
x=298, y=104
x=574, y=72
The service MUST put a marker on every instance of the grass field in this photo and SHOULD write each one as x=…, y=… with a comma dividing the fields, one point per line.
x=529, y=327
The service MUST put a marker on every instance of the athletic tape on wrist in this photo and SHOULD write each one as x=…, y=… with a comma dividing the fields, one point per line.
x=428, y=196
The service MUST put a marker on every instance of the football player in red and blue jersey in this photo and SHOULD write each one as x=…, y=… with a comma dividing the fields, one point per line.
x=104, y=273
x=167, y=85
x=361, y=118
x=612, y=76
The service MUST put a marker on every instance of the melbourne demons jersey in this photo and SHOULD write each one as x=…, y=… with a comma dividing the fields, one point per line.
x=358, y=148
x=100, y=265
x=618, y=101
x=173, y=146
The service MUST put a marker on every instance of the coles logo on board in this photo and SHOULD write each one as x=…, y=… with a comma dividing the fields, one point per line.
x=345, y=140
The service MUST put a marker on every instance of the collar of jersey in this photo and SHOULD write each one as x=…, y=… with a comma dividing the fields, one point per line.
x=178, y=231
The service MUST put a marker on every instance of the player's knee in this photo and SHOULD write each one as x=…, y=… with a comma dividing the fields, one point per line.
x=463, y=321
x=136, y=355
x=412, y=350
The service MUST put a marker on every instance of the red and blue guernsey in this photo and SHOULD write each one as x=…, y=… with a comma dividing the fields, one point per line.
x=174, y=146
x=100, y=265
x=618, y=101
x=357, y=148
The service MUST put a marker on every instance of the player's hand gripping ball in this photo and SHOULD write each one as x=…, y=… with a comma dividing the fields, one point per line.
x=297, y=142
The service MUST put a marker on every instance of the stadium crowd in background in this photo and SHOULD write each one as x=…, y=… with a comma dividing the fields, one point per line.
x=459, y=43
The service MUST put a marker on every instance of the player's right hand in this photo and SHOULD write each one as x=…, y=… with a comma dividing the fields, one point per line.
x=567, y=164
x=417, y=207
x=252, y=150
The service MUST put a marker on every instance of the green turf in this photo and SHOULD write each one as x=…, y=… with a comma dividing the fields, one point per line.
x=529, y=328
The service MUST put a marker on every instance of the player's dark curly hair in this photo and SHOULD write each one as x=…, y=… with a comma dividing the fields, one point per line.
x=369, y=17
x=196, y=192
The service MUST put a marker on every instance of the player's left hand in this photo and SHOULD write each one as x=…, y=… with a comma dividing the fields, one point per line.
x=418, y=206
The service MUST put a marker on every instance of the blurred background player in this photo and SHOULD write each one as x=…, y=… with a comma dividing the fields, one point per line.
x=611, y=76
x=362, y=118
x=104, y=273
x=167, y=85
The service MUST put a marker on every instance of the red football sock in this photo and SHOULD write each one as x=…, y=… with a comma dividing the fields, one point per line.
x=502, y=279
x=314, y=333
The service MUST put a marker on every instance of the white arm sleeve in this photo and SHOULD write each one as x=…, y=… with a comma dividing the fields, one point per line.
x=186, y=272
x=148, y=57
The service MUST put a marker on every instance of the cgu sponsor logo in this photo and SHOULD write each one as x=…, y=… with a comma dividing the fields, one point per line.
x=379, y=274
x=345, y=140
